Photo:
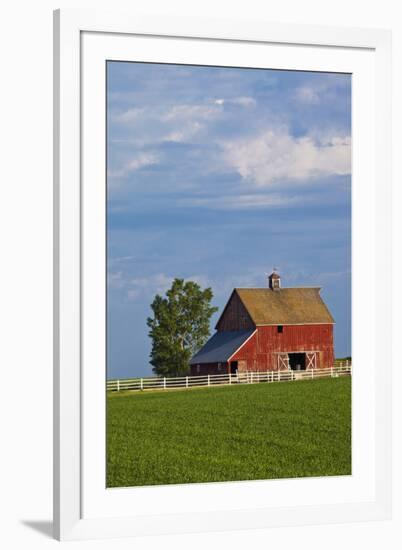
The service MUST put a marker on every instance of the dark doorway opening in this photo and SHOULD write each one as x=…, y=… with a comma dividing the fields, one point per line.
x=233, y=367
x=297, y=361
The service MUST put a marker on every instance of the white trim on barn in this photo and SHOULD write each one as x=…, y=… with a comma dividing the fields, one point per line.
x=311, y=358
x=241, y=345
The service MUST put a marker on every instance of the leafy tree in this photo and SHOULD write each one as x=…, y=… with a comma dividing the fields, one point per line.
x=179, y=326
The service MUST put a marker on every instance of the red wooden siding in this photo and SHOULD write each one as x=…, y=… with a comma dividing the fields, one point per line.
x=208, y=368
x=235, y=316
x=248, y=353
x=261, y=350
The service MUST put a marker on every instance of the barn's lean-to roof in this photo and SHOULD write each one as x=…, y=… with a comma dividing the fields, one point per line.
x=221, y=346
x=287, y=306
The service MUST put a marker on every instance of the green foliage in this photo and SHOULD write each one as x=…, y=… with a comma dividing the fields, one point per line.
x=179, y=326
x=228, y=433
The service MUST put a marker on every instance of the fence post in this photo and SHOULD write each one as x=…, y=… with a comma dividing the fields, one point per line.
x=251, y=377
x=279, y=375
x=312, y=373
x=230, y=378
x=164, y=382
x=332, y=372
x=118, y=385
x=141, y=384
x=186, y=381
x=209, y=380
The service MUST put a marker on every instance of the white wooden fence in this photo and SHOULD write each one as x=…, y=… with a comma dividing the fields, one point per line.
x=162, y=383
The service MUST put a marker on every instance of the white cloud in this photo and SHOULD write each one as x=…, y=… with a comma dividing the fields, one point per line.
x=127, y=117
x=244, y=201
x=177, y=123
x=147, y=287
x=306, y=94
x=135, y=162
x=276, y=156
x=141, y=286
x=243, y=101
x=186, y=132
x=141, y=160
x=115, y=279
x=184, y=122
x=192, y=112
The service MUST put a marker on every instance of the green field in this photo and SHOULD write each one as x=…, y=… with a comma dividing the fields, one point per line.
x=242, y=432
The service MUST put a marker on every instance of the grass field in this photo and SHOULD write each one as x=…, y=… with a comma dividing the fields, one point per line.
x=243, y=432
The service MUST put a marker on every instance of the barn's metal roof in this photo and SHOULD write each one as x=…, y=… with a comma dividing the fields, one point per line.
x=287, y=306
x=221, y=346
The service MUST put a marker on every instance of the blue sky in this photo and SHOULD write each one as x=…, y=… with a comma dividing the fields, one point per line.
x=218, y=175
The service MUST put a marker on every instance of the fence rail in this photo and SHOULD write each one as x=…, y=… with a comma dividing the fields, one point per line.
x=162, y=383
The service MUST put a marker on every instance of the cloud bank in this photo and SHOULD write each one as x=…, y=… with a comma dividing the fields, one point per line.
x=273, y=156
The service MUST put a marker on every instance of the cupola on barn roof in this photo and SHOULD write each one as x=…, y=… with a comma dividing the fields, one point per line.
x=274, y=281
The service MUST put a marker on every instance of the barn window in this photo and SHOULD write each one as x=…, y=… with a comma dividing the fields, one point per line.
x=198, y=369
x=280, y=329
x=219, y=366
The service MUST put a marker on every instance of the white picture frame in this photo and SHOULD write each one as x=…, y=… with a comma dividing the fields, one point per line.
x=83, y=507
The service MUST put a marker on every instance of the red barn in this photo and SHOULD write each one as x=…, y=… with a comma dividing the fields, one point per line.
x=270, y=328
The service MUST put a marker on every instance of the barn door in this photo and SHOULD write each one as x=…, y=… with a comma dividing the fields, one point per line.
x=283, y=361
x=311, y=360
x=242, y=366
